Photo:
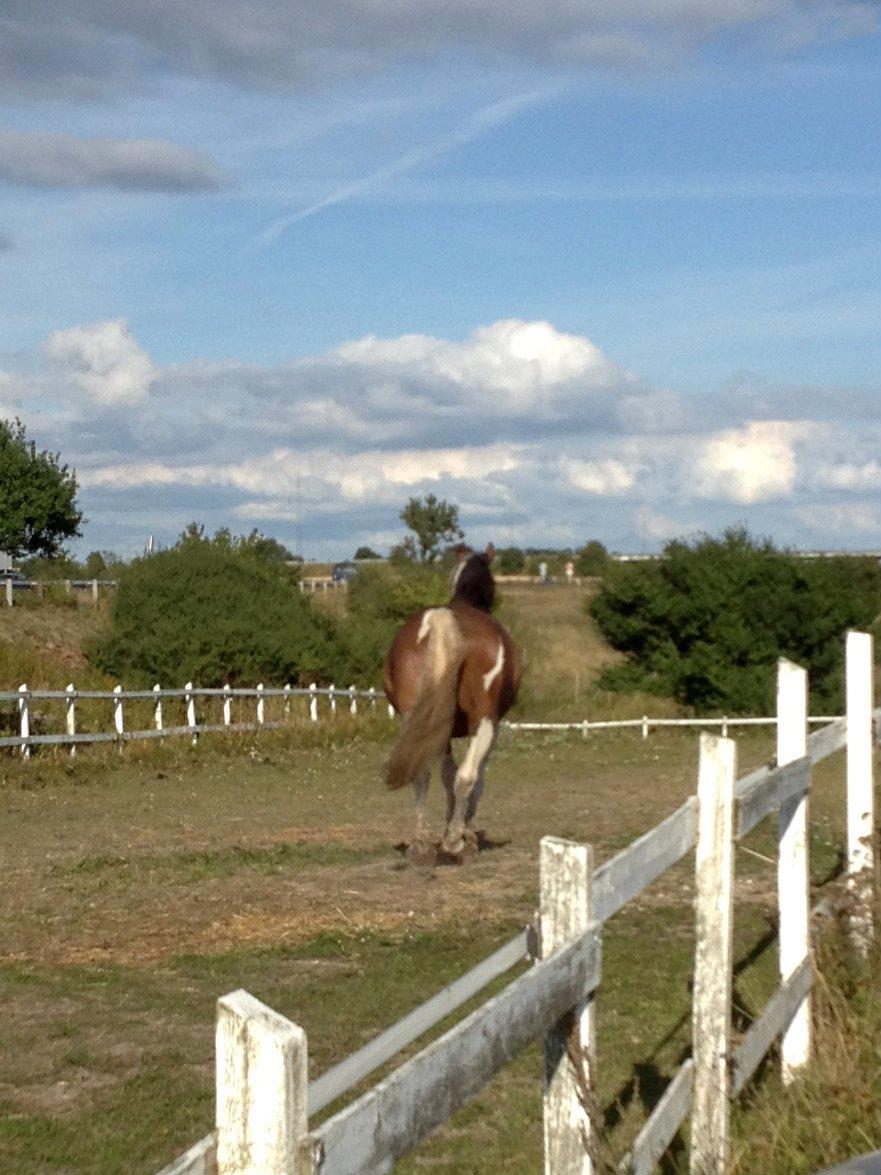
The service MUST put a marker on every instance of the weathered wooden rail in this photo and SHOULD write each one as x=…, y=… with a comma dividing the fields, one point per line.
x=24, y=699
x=68, y=586
x=264, y=1097
x=189, y=695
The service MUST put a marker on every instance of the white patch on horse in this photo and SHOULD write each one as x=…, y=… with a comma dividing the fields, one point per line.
x=478, y=749
x=457, y=573
x=489, y=678
x=425, y=626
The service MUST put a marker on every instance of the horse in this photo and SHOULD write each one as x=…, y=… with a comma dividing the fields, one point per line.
x=451, y=672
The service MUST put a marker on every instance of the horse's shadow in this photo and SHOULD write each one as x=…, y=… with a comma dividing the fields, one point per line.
x=485, y=844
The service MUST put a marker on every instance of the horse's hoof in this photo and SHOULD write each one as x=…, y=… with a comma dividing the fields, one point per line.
x=453, y=848
x=422, y=854
x=470, y=846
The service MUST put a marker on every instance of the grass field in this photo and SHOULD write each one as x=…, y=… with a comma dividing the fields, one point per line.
x=137, y=887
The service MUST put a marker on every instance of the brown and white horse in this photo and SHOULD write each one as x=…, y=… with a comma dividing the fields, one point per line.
x=451, y=672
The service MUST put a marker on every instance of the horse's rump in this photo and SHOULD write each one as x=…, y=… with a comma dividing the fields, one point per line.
x=428, y=723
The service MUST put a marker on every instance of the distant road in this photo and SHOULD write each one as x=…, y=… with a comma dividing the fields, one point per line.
x=620, y=557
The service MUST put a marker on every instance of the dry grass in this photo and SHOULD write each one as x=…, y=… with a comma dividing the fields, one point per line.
x=564, y=655
x=42, y=644
x=833, y=1112
x=137, y=887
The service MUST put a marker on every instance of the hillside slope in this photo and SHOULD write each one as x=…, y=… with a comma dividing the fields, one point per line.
x=564, y=654
x=42, y=644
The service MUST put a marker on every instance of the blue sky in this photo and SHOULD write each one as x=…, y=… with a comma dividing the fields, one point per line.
x=284, y=266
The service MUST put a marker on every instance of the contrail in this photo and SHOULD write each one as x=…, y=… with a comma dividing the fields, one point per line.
x=479, y=123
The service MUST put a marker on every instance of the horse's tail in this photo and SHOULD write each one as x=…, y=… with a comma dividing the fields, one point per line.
x=427, y=727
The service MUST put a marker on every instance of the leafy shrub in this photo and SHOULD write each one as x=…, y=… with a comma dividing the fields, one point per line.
x=707, y=622
x=380, y=598
x=213, y=611
x=511, y=560
x=592, y=559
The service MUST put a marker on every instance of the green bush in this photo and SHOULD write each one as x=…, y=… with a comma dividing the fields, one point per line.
x=511, y=560
x=707, y=622
x=214, y=611
x=380, y=598
x=592, y=559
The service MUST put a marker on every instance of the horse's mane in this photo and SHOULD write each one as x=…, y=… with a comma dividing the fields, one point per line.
x=475, y=584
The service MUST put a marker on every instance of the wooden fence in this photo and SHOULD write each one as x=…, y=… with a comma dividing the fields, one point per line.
x=646, y=724
x=67, y=586
x=24, y=699
x=38, y=587
x=264, y=1096
x=27, y=701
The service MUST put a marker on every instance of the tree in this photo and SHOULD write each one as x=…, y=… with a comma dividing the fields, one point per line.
x=707, y=622
x=402, y=554
x=434, y=522
x=511, y=560
x=366, y=553
x=592, y=559
x=38, y=509
x=213, y=612
x=96, y=565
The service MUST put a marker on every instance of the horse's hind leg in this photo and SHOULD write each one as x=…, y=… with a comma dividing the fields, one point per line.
x=466, y=784
x=448, y=775
x=422, y=851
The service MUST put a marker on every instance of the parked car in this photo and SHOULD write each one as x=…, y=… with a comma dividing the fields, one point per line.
x=11, y=573
x=343, y=572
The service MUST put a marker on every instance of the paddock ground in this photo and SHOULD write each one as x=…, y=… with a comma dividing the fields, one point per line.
x=138, y=887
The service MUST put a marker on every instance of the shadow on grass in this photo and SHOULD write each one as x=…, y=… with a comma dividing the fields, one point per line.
x=648, y=1082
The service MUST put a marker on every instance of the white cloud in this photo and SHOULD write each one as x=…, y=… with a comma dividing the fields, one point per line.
x=750, y=464
x=520, y=365
x=851, y=476
x=650, y=524
x=62, y=161
x=519, y=423
x=356, y=477
x=608, y=476
x=113, y=43
x=103, y=361
x=843, y=519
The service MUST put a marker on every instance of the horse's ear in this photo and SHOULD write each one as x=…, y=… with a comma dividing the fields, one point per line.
x=490, y=552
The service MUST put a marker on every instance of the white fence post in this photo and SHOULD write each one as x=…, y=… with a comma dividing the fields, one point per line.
x=287, y=701
x=95, y=592
x=227, y=705
x=24, y=719
x=70, y=714
x=372, y=693
x=793, y=879
x=353, y=700
x=391, y=710
x=711, y=998
x=262, y=1077
x=9, y=593
x=191, y=710
x=118, y=720
x=860, y=788
x=645, y=726
x=331, y=693
x=313, y=702
x=565, y=870
x=261, y=704
x=157, y=706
